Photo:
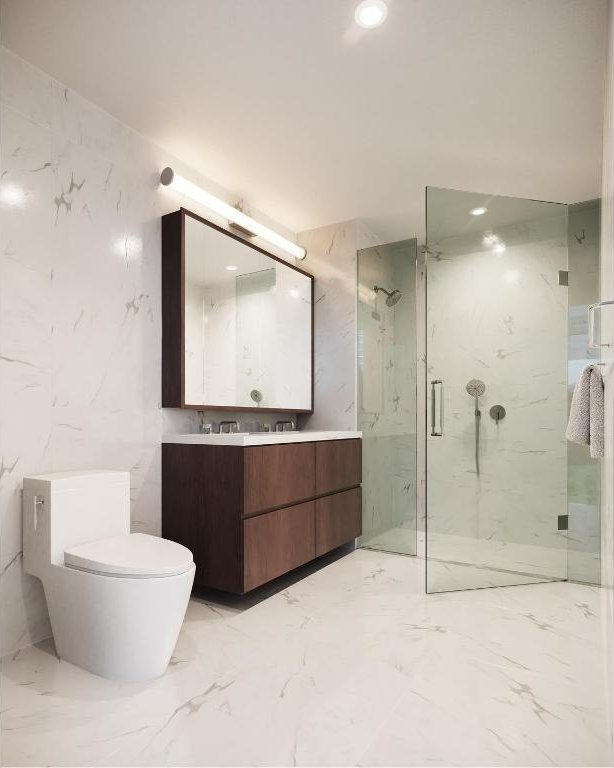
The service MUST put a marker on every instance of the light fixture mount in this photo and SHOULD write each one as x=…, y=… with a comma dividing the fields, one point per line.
x=237, y=227
x=234, y=215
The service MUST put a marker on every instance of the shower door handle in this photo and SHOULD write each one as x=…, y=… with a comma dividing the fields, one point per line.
x=436, y=412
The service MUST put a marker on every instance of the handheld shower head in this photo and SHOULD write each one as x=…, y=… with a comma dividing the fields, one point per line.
x=475, y=388
x=392, y=297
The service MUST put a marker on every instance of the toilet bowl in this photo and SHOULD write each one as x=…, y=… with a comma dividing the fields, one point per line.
x=116, y=600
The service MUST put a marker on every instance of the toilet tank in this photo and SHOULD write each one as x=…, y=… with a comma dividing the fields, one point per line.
x=62, y=509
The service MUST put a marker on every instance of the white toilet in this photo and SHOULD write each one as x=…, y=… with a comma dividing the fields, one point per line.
x=116, y=600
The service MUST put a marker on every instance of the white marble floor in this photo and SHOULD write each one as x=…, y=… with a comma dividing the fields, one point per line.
x=352, y=665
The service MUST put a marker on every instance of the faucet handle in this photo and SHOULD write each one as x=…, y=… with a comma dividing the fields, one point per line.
x=233, y=426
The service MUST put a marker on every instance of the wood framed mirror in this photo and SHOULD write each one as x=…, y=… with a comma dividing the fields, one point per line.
x=237, y=322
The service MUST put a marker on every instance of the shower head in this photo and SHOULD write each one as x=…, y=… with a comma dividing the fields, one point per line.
x=475, y=388
x=392, y=297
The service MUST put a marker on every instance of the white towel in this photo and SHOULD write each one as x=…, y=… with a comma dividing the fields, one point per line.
x=586, y=414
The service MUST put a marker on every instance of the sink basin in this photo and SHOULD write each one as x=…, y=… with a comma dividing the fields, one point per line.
x=260, y=438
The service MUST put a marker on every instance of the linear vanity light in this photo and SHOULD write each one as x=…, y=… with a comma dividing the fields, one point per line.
x=174, y=181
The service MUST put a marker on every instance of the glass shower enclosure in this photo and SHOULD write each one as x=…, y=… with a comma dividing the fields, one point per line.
x=497, y=337
x=500, y=339
x=387, y=394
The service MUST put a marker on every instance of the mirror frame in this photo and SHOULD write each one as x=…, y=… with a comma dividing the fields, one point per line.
x=173, y=315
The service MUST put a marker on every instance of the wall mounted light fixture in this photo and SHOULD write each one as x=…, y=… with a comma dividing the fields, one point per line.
x=174, y=181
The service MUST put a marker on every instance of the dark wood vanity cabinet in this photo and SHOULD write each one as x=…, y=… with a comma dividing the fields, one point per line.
x=250, y=514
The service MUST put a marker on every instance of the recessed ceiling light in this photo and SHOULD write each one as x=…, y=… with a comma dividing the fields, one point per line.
x=232, y=268
x=371, y=13
x=480, y=211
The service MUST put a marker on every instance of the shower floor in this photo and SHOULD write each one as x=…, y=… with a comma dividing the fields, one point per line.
x=465, y=562
x=351, y=665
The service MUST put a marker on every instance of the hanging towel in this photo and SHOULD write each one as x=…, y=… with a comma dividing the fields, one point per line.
x=586, y=414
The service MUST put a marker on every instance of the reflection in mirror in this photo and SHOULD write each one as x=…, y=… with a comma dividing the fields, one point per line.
x=248, y=325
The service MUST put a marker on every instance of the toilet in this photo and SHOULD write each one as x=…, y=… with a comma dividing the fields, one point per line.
x=116, y=599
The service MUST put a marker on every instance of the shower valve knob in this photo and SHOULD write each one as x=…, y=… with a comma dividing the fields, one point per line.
x=497, y=412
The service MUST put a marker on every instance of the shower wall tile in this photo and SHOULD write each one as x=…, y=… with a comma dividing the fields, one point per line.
x=80, y=313
x=501, y=319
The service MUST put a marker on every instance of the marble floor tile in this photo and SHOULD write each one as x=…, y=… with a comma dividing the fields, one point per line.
x=352, y=665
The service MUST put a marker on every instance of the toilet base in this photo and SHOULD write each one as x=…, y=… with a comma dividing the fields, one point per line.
x=121, y=628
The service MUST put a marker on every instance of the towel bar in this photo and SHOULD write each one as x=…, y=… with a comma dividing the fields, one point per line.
x=591, y=323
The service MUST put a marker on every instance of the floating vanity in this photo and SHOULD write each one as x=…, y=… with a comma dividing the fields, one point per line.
x=252, y=507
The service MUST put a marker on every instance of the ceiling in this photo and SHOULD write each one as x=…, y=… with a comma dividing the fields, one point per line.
x=313, y=120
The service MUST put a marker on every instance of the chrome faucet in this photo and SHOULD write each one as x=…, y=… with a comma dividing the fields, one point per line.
x=230, y=425
x=283, y=424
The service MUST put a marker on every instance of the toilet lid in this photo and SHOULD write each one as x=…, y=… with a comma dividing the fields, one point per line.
x=131, y=554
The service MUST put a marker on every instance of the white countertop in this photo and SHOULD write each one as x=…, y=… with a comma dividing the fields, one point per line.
x=260, y=438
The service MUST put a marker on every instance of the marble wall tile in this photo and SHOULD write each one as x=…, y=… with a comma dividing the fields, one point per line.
x=80, y=311
x=331, y=258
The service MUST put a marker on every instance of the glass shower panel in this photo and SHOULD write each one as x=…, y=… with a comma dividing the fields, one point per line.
x=497, y=390
x=583, y=472
x=387, y=395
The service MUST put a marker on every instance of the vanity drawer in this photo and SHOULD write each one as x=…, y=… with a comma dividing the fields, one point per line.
x=278, y=475
x=277, y=542
x=338, y=465
x=338, y=519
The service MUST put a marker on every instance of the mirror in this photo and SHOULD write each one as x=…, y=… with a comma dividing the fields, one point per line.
x=247, y=324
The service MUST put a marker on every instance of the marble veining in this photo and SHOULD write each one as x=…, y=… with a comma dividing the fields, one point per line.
x=331, y=258
x=80, y=311
x=351, y=665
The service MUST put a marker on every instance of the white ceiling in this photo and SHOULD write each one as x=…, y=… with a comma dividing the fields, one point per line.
x=313, y=120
